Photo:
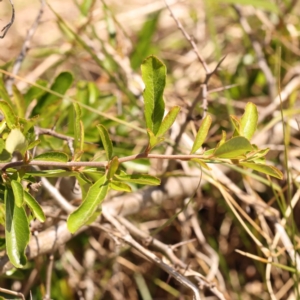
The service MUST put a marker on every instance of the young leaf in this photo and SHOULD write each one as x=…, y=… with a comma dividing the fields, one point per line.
x=34, y=207
x=85, y=211
x=201, y=163
x=16, y=141
x=168, y=121
x=113, y=167
x=154, y=77
x=233, y=148
x=78, y=129
x=53, y=156
x=270, y=170
x=33, y=144
x=106, y=141
x=139, y=179
x=10, y=117
x=3, y=92
x=16, y=230
x=202, y=133
x=60, y=85
x=249, y=121
x=120, y=186
x=19, y=102
x=153, y=139
x=18, y=192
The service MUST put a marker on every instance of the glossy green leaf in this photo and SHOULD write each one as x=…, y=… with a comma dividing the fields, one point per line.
x=113, y=167
x=202, y=133
x=233, y=148
x=16, y=230
x=18, y=192
x=106, y=141
x=249, y=121
x=154, y=77
x=120, y=186
x=168, y=121
x=201, y=163
x=139, y=179
x=8, y=113
x=16, y=141
x=19, y=102
x=270, y=170
x=60, y=85
x=89, y=205
x=53, y=156
x=34, y=207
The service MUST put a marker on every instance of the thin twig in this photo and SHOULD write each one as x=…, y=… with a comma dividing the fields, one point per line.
x=9, y=292
x=25, y=48
x=49, y=277
x=6, y=27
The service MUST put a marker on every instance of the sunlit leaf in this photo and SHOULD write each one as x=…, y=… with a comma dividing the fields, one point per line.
x=139, y=179
x=201, y=163
x=88, y=207
x=19, y=102
x=120, y=186
x=233, y=148
x=154, y=77
x=9, y=115
x=18, y=192
x=266, y=169
x=202, y=133
x=16, y=141
x=168, y=120
x=34, y=207
x=16, y=230
x=53, y=156
x=249, y=121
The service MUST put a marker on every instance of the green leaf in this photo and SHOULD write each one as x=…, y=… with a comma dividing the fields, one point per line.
x=153, y=139
x=5, y=156
x=120, y=186
x=78, y=129
x=270, y=170
x=154, y=77
x=266, y=5
x=18, y=192
x=49, y=173
x=168, y=121
x=27, y=124
x=19, y=102
x=34, y=207
x=3, y=92
x=33, y=144
x=139, y=179
x=202, y=133
x=88, y=207
x=10, y=118
x=234, y=148
x=16, y=141
x=53, y=156
x=113, y=167
x=237, y=125
x=16, y=230
x=106, y=141
x=60, y=85
x=249, y=121
x=201, y=163
x=144, y=38
x=2, y=145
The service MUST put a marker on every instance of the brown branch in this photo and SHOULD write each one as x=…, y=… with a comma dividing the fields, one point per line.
x=25, y=48
x=7, y=26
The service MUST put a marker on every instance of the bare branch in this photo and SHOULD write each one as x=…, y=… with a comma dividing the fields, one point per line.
x=6, y=27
